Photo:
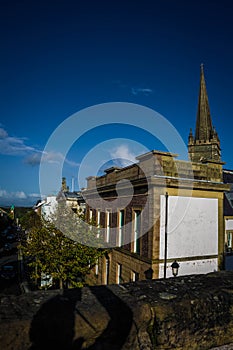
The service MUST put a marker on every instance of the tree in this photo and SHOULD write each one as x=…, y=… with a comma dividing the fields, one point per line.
x=5, y=220
x=30, y=220
x=60, y=247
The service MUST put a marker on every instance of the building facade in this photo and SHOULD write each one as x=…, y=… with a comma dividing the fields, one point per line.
x=161, y=209
x=73, y=200
x=228, y=220
x=137, y=232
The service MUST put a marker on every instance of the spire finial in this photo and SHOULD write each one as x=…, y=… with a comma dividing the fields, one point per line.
x=202, y=67
x=190, y=136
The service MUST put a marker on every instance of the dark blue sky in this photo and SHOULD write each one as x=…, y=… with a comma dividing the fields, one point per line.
x=58, y=57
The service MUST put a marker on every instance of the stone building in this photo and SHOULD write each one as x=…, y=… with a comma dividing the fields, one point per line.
x=228, y=210
x=161, y=209
x=74, y=199
x=228, y=220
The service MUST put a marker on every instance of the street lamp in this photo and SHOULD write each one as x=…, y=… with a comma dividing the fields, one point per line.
x=175, y=267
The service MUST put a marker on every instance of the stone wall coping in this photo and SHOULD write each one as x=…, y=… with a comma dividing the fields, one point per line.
x=186, y=312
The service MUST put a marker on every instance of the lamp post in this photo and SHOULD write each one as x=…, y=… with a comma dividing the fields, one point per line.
x=175, y=267
x=165, y=238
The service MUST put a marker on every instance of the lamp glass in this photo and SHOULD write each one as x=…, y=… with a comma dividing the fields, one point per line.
x=175, y=267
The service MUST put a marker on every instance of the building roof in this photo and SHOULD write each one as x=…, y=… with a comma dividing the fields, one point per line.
x=228, y=198
x=71, y=195
x=228, y=205
x=39, y=203
x=228, y=176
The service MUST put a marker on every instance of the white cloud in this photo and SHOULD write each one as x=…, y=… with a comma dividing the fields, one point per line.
x=134, y=90
x=3, y=133
x=4, y=194
x=33, y=159
x=56, y=157
x=49, y=157
x=20, y=195
x=142, y=91
x=34, y=195
x=10, y=145
x=17, y=194
x=18, y=198
x=123, y=155
x=16, y=146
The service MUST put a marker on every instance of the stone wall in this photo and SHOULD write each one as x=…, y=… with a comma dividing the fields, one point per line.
x=188, y=312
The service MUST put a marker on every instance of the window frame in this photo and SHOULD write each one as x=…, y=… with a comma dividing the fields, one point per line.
x=137, y=230
x=121, y=224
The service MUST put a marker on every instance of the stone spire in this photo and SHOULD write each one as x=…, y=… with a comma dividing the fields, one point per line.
x=204, y=128
x=205, y=146
x=64, y=187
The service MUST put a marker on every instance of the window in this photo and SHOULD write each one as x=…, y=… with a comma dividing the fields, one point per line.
x=121, y=227
x=107, y=270
x=97, y=267
x=119, y=274
x=108, y=213
x=90, y=215
x=229, y=239
x=137, y=230
x=98, y=222
x=135, y=276
x=90, y=218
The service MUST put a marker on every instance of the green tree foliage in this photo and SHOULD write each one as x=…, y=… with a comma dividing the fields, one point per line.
x=54, y=248
x=30, y=220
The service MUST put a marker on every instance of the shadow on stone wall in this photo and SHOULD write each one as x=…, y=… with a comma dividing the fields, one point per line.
x=53, y=326
x=187, y=312
x=121, y=319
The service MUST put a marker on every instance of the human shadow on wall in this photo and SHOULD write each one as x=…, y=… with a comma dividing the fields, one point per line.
x=53, y=325
x=121, y=318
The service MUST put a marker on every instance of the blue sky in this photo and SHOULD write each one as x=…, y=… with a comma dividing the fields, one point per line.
x=59, y=57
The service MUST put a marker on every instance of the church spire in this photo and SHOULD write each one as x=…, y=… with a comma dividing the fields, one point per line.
x=204, y=128
x=205, y=146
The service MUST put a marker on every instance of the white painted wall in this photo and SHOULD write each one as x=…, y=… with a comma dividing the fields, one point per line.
x=192, y=232
x=191, y=267
x=49, y=207
x=228, y=224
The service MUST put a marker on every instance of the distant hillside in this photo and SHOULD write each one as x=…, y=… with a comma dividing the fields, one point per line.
x=19, y=211
x=18, y=202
